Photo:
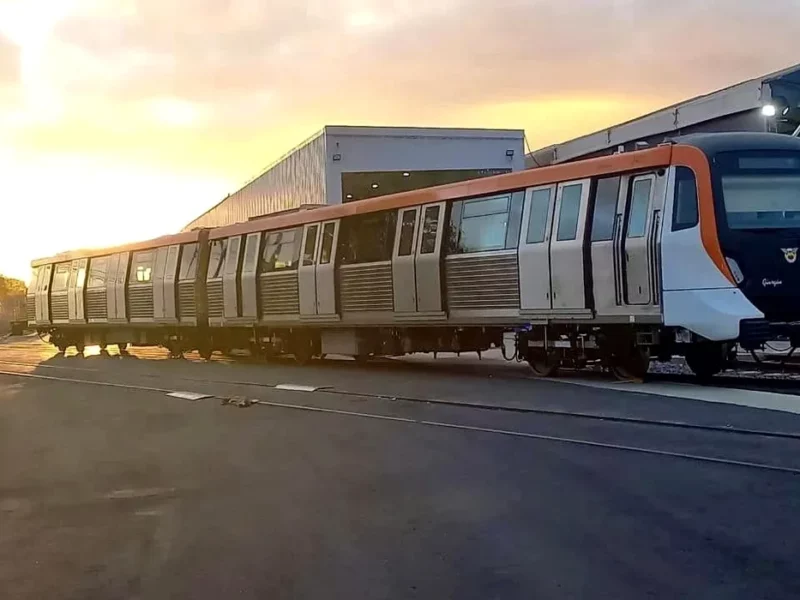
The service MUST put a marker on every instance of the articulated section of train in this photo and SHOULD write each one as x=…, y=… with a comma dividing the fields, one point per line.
x=688, y=248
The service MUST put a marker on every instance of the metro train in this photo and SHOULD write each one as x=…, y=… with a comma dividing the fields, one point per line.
x=683, y=249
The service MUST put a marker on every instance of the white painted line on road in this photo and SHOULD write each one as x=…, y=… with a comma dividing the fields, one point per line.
x=750, y=398
x=189, y=395
x=294, y=387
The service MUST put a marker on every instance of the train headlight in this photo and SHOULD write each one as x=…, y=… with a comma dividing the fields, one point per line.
x=738, y=276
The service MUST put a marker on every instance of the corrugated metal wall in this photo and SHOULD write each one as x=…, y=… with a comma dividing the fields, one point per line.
x=298, y=178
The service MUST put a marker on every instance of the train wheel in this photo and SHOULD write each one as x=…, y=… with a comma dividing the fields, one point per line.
x=205, y=352
x=543, y=364
x=123, y=349
x=631, y=364
x=80, y=347
x=706, y=360
x=62, y=348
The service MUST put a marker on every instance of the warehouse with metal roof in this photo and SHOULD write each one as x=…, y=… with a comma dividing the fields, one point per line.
x=343, y=164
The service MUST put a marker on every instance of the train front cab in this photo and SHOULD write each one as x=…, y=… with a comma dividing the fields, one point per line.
x=730, y=270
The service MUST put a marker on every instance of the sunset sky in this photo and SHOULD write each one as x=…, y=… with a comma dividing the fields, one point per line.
x=124, y=119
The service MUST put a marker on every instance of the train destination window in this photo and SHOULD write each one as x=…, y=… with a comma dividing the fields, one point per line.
x=328, y=231
x=408, y=222
x=142, y=266
x=605, y=209
x=190, y=254
x=311, y=245
x=281, y=251
x=685, y=210
x=537, y=218
x=61, y=277
x=569, y=212
x=637, y=215
x=485, y=224
x=367, y=238
x=98, y=272
x=216, y=261
x=430, y=227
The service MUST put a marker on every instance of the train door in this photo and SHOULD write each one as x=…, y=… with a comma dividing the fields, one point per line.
x=77, y=284
x=159, y=269
x=111, y=282
x=404, y=273
x=638, y=241
x=428, y=262
x=120, y=286
x=230, y=278
x=325, y=271
x=252, y=250
x=534, y=249
x=306, y=270
x=42, y=304
x=170, y=287
x=566, y=246
x=607, y=211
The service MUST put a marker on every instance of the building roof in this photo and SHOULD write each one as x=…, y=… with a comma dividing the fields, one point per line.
x=744, y=96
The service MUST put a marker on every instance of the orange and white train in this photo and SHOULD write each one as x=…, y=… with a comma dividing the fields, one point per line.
x=686, y=249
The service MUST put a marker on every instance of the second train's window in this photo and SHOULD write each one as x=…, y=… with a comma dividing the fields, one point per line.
x=430, y=228
x=569, y=212
x=640, y=202
x=142, y=267
x=328, y=233
x=189, y=256
x=281, y=251
x=311, y=245
x=539, y=213
x=605, y=209
x=485, y=224
x=98, y=269
x=407, y=225
x=216, y=259
x=367, y=238
x=61, y=277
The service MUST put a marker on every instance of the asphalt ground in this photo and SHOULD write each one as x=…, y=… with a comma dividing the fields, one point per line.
x=110, y=488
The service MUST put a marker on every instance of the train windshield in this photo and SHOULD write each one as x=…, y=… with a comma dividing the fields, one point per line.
x=760, y=190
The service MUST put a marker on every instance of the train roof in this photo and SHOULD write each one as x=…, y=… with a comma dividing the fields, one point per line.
x=165, y=240
x=620, y=163
x=712, y=143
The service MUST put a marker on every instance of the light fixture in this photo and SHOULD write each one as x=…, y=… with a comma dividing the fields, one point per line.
x=349, y=196
x=510, y=153
x=768, y=110
x=374, y=186
x=406, y=174
x=337, y=157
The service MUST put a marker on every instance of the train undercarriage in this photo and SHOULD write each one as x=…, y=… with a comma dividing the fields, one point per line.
x=625, y=351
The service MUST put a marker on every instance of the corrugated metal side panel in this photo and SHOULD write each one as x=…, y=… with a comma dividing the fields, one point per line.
x=279, y=293
x=482, y=282
x=59, y=307
x=96, y=304
x=140, y=302
x=216, y=300
x=367, y=287
x=186, y=300
x=298, y=178
x=30, y=309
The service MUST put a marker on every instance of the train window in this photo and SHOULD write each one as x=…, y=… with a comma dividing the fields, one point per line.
x=430, y=227
x=311, y=245
x=190, y=254
x=637, y=214
x=98, y=272
x=61, y=277
x=281, y=251
x=142, y=266
x=367, y=238
x=34, y=277
x=216, y=261
x=407, y=225
x=328, y=231
x=605, y=208
x=233, y=256
x=685, y=211
x=539, y=212
x=485, y=224
x=569, y=212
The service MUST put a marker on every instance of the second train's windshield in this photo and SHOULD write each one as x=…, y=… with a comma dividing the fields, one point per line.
x=760, y=190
